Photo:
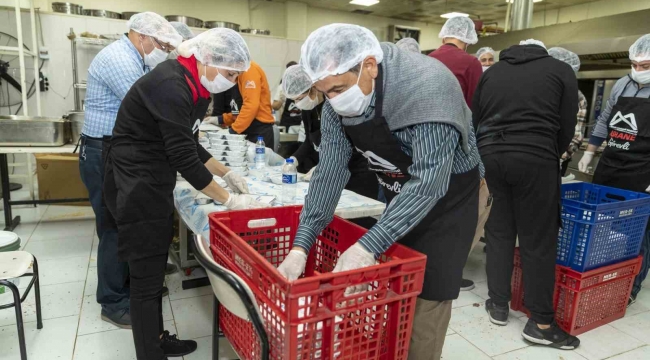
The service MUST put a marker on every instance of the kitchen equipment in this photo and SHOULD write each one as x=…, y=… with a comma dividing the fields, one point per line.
x=126, y=15
x=67, y=8
x=221, y=24
x=189, y=21
x=33, y=131
x=256, y=31
x=76, y=123
x=102, y=13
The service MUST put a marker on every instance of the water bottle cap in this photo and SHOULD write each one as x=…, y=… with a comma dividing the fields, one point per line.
x=289, y=161
x=260, y=138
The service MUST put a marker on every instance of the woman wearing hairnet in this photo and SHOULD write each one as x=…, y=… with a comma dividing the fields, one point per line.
x=155, y=136
x=572, y=59
x=486, y=56
x=422, y=152
x=625, y=125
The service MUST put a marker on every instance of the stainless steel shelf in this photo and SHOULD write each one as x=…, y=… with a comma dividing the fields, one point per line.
x=93, y=41
x=80, y=86
x=12, y=50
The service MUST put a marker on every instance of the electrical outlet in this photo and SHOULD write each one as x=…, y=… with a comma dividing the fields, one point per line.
x=44, y=53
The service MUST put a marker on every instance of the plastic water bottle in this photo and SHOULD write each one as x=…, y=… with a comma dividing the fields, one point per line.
x=260, y=157
x=289, y=182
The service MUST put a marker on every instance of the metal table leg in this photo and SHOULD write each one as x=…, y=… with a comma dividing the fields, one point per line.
x=215, y=328
x=10, y=221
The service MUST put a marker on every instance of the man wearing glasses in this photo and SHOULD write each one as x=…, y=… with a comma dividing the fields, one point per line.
x=113, y=71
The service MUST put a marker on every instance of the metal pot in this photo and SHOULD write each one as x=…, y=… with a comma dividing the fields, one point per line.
x=256, y=31
x=189, y=21
x=221, y=24
x=77, y=123
x=67, y=8
x=127, y=14
x=102, y=13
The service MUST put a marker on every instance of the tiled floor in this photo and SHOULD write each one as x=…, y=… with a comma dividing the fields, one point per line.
x=63, y=239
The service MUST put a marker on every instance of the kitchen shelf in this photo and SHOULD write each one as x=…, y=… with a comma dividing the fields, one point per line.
x=93, y=41
x=12, y=50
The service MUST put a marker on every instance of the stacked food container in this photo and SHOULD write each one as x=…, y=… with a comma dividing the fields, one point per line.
x=229, y=149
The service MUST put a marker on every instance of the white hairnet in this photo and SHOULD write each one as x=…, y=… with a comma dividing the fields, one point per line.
x=485, y=50
x=640, y=50
x=461, y=28
x=532, y=42
x=566, y=56
x=295, y=82
x=154, y=25
x=336, y=48
x=409, y=44
x=182, y=29
x=218, y=47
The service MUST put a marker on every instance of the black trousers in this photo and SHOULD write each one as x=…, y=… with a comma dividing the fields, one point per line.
x=526, y=191
x=147, y=277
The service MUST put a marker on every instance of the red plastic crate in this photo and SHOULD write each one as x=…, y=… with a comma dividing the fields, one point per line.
x=584, y=301
x=311, y=318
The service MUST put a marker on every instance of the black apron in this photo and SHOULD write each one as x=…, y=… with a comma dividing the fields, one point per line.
x=445, y=234
x=256, y=128
x=291, y=115
x=131, y=182
x=625, y=162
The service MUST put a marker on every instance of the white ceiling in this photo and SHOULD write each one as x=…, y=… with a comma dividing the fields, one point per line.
x=430, y=10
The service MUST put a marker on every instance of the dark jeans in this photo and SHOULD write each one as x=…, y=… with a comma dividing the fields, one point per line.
x=526, y=196
x=147, y=276
x=645, y=251
x=112, y=287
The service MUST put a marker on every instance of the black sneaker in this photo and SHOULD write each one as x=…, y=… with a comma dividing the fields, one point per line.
x=121, y=319
x=466, y=285
x=498, y=315
x=172, y=347
x=170, y=269
x=553, y=336
x=631, y=300
x=165, y=291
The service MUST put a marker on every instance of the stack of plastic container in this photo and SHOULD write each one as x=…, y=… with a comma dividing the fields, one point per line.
x=597, y=255
x=229, y=149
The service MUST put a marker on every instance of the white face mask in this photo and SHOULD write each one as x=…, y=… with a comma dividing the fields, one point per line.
x=307, y=103
x=218, y=85
x=352, y=102
x=155, y=57
x=642, y=77
x=485, y=68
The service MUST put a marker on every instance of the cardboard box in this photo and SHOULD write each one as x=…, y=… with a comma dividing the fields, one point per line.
x=58, y=178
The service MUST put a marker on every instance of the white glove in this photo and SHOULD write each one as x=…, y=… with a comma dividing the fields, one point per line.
x=310, y=173
x=354, y=258
x=211, y=120
x=585, y=161
x=243, y=202
x=235, y=182
x=647, y=189
x=293, y=265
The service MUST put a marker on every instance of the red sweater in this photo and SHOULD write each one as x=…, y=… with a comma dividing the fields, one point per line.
x=466, y=67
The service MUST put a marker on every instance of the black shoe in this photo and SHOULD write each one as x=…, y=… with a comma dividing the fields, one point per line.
x=498, y=315
x=170, y=269
x=165, y=291
x=121, y=319
x=466, y=285
x=172, y=347
x=553, y=336
x=631, y=300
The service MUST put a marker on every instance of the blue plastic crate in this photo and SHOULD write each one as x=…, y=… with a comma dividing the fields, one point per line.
x=600, y=225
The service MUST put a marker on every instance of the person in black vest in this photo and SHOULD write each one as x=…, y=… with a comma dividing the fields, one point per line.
x=155, y=136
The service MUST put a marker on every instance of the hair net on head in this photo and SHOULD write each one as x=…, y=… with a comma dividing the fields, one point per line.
x=336, y=48
x=566, y=56
x=409, y=44
x=640, y=50
x=218, y=47
x=461, y=28
x=182, y=29
x=532, y=42
x=485, y=50
x=295, y=82
x=152, y=24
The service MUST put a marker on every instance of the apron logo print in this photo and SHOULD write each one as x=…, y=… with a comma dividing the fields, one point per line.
x=628, y=120
x=624, y=128
x=195, y=128
x=375, y=160
x=233, y=105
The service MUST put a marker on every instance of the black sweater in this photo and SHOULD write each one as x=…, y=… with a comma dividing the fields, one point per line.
x=527, y=102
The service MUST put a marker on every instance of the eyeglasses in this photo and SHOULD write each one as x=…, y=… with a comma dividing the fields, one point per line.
x=164, y=48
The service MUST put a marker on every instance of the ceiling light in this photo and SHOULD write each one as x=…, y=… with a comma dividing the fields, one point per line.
x=511, y=1
x=452, y=14
x=364, y=2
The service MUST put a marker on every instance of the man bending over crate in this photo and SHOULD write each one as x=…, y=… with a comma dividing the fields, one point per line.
x=406, y=114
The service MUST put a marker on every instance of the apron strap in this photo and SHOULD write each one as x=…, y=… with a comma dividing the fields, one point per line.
x=379, y=87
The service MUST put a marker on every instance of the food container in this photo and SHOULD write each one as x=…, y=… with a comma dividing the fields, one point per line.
x=33, y=131
x=233, y=159
x=229, y=148
x=256, y=31
x=222, y=136
x=221, y=24
x=241, y=170
x=233, y=163
x=102, y=13
x=76, y=123
x=189, y=21
x=235, y=143
x=126, y=15
x=67, y=8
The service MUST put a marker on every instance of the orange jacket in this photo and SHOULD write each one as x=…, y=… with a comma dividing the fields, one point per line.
x=256, y=100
